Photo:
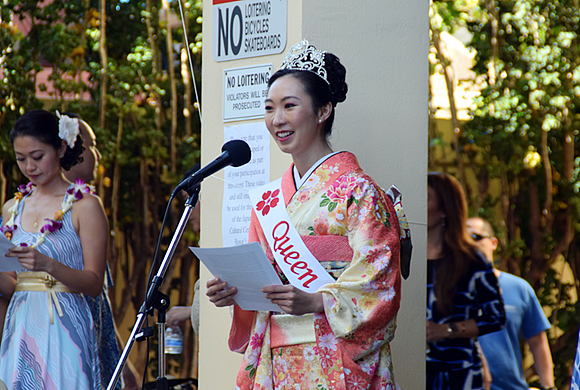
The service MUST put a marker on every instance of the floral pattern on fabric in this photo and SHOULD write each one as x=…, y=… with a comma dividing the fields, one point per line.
x=298, y=367
x=352, y=335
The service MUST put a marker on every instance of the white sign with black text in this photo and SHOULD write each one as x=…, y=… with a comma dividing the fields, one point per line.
x=245, y=90
x=248, y=28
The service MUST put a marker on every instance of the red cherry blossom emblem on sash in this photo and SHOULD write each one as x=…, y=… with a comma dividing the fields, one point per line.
x=269, y=200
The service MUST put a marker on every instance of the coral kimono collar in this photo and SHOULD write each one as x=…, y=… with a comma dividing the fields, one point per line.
x=290, y=252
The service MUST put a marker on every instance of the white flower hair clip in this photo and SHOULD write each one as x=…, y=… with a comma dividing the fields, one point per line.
x=68, y=128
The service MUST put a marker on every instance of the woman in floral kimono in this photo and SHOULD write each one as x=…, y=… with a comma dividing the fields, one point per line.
x=338, y=336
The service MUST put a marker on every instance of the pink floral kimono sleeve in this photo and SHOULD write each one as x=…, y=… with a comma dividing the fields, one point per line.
x=361, y=306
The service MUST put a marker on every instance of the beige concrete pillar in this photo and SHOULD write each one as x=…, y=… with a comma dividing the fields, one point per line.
x=384, y=45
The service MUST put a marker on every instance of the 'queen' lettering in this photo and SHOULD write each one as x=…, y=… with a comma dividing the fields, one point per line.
x=284, y=247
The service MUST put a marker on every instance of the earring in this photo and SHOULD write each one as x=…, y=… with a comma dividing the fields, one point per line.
x=320, y=121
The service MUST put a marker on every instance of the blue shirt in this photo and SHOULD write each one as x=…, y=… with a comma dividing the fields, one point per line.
x=525, y=318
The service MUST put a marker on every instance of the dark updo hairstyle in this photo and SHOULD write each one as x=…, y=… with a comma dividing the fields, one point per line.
x=319, y=91
x=43, y=125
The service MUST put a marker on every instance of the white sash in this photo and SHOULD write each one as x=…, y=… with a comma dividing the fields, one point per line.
x=298, y=264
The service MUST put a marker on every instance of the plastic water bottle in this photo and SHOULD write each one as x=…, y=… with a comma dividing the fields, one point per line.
x=173, y=341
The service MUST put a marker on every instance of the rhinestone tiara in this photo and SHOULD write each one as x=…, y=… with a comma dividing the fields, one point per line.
x=304, y=56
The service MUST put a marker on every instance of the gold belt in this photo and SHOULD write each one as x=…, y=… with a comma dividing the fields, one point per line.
x=42, y=281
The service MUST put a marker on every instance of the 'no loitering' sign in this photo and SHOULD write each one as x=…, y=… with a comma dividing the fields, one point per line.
x=248, y=28
x=245, y=90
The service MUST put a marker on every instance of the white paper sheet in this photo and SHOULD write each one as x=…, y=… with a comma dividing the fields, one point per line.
x=236, y=205
x=247, y=268
x=8, y=264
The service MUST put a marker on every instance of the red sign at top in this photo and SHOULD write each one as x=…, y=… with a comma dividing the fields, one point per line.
x=223, y=1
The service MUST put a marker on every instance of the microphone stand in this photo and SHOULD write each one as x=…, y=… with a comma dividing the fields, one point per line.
x=156, y=300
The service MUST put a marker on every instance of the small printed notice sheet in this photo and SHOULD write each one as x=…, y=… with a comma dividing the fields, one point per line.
x=247, y=268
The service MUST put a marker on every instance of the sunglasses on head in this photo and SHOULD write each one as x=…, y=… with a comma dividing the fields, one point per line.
x=478, y=237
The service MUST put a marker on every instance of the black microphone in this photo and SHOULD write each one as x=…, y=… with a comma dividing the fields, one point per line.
x=235, y=153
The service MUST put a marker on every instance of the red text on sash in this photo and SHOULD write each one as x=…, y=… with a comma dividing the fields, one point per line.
x=279, y=233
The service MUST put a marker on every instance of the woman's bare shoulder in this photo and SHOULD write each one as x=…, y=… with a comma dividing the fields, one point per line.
x=88, y=203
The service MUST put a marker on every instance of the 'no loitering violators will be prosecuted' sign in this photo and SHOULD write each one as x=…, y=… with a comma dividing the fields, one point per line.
x=245, y=90
x=248, y=28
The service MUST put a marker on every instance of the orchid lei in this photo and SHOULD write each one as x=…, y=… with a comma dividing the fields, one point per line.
x=73, y=194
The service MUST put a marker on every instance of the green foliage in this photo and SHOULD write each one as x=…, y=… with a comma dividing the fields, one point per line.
x=17, y=83
x=521, y=145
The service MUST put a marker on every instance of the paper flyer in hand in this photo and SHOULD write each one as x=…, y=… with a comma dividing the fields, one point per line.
x=247, y=268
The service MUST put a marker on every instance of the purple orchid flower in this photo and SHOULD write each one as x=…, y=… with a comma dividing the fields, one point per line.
x=79, y=188
x=26, y=189
x=52, y=226
x=75, y=192
x=82, y=186
x=8, y=229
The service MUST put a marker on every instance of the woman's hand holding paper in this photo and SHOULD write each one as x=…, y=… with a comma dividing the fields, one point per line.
x=293, y=300
x=219, y=294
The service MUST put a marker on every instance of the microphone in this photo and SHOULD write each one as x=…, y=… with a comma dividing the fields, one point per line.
x=235, y=153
